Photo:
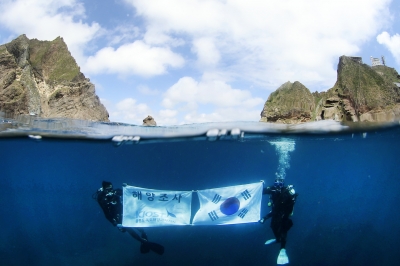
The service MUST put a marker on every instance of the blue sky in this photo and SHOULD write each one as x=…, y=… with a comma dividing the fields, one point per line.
x=193, y=61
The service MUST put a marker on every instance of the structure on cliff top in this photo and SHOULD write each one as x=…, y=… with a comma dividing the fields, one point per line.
x=357, y=59
x=42, y=78
x=377, y=61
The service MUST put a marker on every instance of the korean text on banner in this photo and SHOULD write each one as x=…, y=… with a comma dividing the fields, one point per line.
x=229, y=205
x=144, y=207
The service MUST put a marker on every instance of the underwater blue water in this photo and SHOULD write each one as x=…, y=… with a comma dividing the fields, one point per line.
x=346, y=212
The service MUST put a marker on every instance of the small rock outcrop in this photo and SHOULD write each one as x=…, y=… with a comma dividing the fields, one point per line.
x=149, y=121
x=361, y=93
x=42, y=78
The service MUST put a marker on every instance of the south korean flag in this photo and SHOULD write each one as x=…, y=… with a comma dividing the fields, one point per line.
x=229, y=205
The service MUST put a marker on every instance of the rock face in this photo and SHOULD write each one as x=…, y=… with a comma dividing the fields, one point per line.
x=291, y=103
x=42, y=78
x=149, y=121
x=361, y=93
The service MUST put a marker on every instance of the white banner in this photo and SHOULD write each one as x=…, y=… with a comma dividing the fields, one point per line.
x=144, y=207
x=229, y=205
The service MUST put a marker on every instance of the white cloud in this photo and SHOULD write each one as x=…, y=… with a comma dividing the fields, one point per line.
x=133, y=58
x=207, y=52
x=167, y=117
x=211, y=100
x=129, y=111
x=48, y=19
x=122, y=34
x=223, y=115
x=145, y=90
x=155, y=37
x=392, y=43
x=268, y=42
x=168, y=113
x=215, y=92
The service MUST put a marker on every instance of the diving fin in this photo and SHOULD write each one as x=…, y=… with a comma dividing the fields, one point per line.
x=282, y=257
x=143, y=235
x=270, y=241
x=146, y=246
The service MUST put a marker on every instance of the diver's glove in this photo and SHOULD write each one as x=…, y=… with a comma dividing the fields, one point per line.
x=121, y=228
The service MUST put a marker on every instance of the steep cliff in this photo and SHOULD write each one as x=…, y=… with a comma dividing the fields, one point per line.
x=42, y=78
x=291, y=103
x=361, y=93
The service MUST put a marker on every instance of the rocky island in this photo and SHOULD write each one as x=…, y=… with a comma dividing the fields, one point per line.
x=42, y=78
x=362, y=93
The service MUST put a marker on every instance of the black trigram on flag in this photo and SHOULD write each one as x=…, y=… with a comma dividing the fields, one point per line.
x=213, y=215
x=246, y=195
x=216, y=199
x=243, y=213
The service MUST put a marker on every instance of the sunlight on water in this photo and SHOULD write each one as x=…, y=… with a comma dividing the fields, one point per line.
x=283, y=147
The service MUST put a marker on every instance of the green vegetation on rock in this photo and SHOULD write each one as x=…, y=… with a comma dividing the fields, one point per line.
x=365, y=87
x=388, y=73
x=3, y=49
x=289, y=101
x=53, y=61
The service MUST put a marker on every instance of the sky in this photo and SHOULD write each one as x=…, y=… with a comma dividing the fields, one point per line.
x=196, y=61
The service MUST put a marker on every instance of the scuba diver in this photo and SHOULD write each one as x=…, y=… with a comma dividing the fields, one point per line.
x=282, y=200
x=110, y=201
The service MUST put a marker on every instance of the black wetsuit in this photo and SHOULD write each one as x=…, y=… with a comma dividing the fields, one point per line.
x=110, y=201
x=282, y=208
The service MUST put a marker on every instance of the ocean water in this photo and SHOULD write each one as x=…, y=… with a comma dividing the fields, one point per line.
x=347, y=179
